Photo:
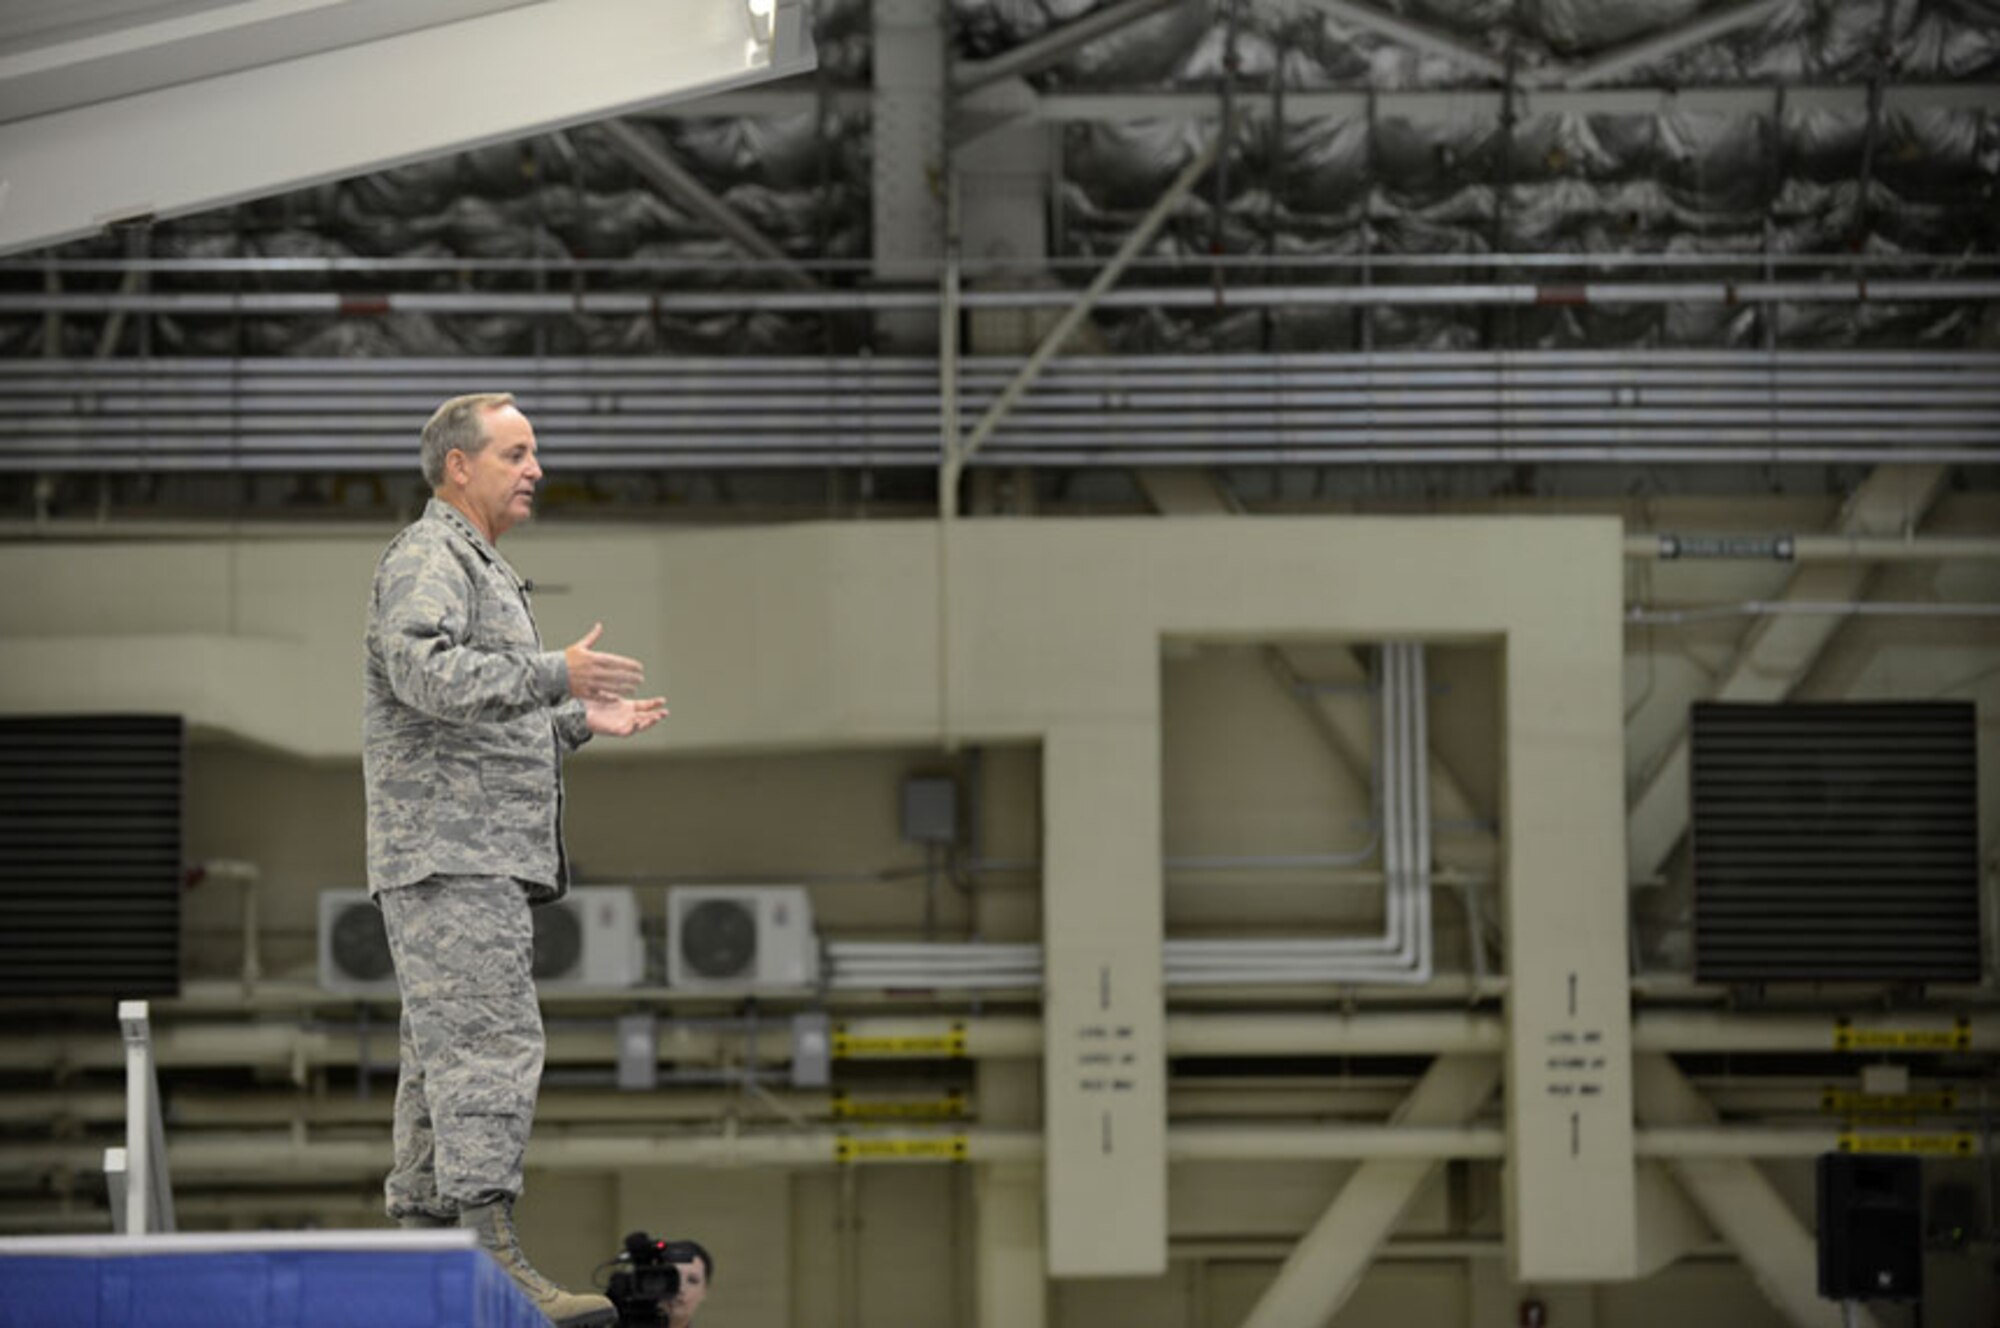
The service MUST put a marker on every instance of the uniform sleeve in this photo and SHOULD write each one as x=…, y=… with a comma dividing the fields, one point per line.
x=572, y=728
x=422, y=616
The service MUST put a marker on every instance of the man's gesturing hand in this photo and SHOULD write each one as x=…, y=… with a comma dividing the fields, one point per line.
x=624, y=717
x=595, y=676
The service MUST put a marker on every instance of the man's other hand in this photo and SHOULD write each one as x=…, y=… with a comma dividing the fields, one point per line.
x=596, y=676
x=622, y=717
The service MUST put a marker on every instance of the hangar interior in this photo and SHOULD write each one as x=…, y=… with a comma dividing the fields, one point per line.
x=1255, y=594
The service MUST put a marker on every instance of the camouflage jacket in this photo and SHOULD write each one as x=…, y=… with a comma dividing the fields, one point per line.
x=466, y=718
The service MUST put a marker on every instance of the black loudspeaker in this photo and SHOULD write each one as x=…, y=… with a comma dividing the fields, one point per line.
x=1871, y=1227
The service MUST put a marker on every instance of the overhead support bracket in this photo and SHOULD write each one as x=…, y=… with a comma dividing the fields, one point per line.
x=678, y=184
x=1059, y=335
x=1651, y=50
x=1053, y=46
x=1414, y=35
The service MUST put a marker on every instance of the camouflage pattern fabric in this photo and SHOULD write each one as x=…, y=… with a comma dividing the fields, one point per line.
x=472, y=1042
x=466, y=717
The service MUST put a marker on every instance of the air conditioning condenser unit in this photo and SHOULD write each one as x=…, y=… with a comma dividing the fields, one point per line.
x=735, y=938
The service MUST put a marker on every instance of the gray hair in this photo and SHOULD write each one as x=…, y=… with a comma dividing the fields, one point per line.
x=458, y=425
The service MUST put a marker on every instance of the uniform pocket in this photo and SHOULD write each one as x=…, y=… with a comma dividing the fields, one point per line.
x=516, y=780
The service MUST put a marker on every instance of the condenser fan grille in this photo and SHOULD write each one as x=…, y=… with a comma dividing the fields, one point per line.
x=361, y=944
x=719, y=938
x=558, y=940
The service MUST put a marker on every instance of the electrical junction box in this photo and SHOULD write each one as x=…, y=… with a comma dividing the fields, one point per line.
x=930, y=810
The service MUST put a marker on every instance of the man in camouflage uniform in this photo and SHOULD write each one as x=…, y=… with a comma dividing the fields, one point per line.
x=467, y=720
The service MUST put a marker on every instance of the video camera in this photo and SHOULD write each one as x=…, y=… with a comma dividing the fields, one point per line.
x=644, y=1281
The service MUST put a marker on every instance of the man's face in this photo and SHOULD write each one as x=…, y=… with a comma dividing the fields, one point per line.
x=499, y=480
x=694, y=1290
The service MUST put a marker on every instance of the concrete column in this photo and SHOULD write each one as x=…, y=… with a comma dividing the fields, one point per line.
x=909, y=157
x=1570, y=1181
x=1104, y=1066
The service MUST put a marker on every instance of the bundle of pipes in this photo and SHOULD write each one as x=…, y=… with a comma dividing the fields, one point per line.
x=1400, y=954
x=906, y=965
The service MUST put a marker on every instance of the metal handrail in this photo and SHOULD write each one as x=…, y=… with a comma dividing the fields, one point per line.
x=142, y=1190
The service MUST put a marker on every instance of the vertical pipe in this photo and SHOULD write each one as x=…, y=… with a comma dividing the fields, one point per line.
x=133, y=1022
x=1420, y=823
x=1393, y=862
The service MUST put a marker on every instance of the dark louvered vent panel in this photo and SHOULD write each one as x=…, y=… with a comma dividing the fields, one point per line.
x=90, y=855
x=1836, y=842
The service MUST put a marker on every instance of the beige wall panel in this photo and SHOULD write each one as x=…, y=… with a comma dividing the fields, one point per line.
x=1712, y=1293
x=1155, y=1302
x=1390, y=1295
x=1239, y=1200
x=568, y=1227
x=914, y=1245
x=817, y=1250
x=1399, y=1295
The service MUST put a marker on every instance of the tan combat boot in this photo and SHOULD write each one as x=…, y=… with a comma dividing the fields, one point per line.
x=494, y=1224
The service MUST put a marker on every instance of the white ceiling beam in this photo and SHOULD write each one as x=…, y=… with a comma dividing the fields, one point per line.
x=1414, y=35
x=252, y=132
x=167, y=46
x=1702, y=28
x=1778, y=650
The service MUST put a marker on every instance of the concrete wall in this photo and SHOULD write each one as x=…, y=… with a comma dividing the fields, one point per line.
x=773, y=765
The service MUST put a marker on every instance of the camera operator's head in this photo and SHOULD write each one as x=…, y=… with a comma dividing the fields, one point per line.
x=697, y=1270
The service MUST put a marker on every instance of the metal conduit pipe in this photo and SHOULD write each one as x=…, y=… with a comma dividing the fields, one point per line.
x=1403, y=954
x=263, y=1153
x=1779, y=608
x=1203, y=263
x=1749, y=547
x=987, y=1037
x=1241, y=1098
x=530, y=304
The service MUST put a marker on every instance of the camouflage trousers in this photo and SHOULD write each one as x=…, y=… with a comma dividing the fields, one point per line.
x=471, y=1041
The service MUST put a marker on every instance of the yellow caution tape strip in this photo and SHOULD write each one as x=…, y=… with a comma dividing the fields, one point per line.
x=849, y=1148
x=1956, y=1143
x=952, y=1106
x=851, y=1046
x=1846, y=1037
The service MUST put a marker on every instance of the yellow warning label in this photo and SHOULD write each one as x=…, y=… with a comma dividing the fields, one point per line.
x=949, y=1148
x=1956, y=1143
x=848, y=1045
x=1958, y=1037
x=951, y=1106
x=1847, y=1102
